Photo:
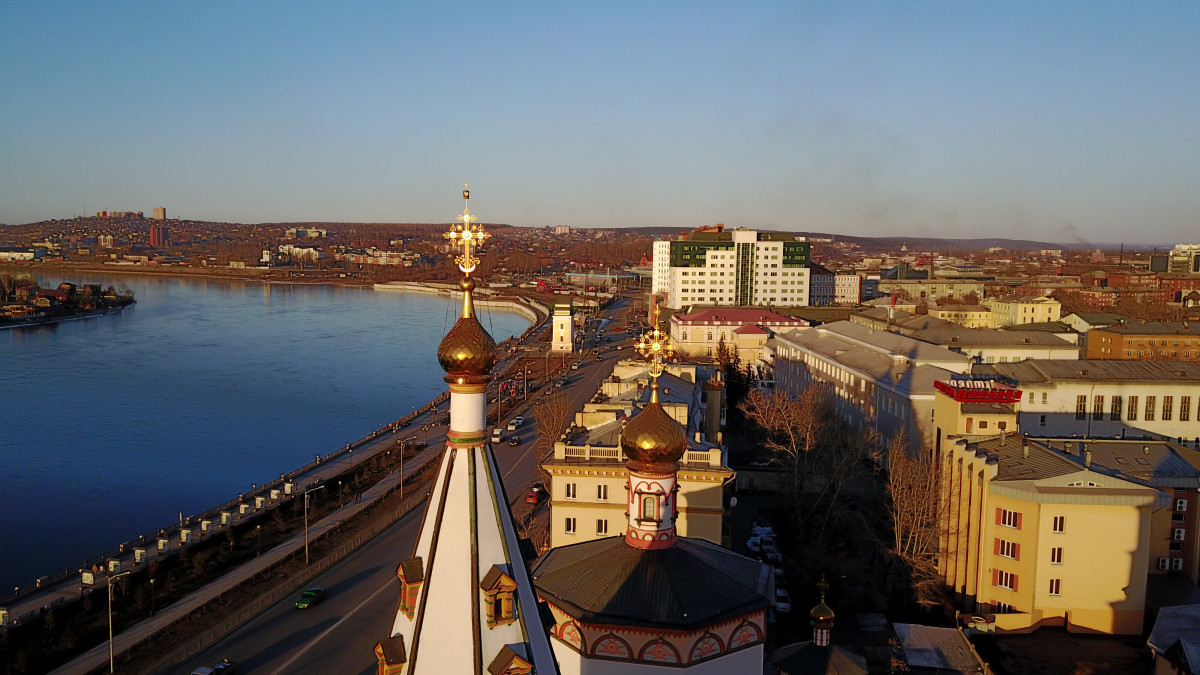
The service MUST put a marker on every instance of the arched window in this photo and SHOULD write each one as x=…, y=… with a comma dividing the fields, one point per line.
x=649, y=508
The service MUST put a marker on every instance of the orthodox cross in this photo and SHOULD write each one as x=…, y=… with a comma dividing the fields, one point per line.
x=656, y=345
x=467, y=235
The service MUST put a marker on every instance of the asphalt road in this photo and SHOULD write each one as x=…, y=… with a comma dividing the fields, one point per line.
x=339, y=634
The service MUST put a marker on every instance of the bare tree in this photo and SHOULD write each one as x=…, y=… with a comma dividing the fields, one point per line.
x=553, y=415
x=913, y=503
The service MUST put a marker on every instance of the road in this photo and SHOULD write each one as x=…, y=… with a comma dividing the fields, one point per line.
x=339, y=634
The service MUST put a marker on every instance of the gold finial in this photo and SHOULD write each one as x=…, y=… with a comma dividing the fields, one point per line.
x=467, y=235
x=823, y=587
x=656, y=345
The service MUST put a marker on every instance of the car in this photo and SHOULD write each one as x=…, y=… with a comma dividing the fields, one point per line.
x=225, y=667
x=512, y=426
x=515, y=440
x=535, y=496
x=518, y=420
x=783, y=602
x=310, y=597
x=575, y=366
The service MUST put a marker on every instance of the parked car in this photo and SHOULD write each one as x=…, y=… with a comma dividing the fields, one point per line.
x=310, y=597
x=783, y=602
x=535, y=496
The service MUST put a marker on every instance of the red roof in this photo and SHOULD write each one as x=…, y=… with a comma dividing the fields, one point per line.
x=752, y=330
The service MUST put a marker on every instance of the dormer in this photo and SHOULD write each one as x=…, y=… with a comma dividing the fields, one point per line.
x=411, y=573
x=499, y=605
x=509, y=662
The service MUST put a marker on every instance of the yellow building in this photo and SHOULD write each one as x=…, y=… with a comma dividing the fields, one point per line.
x=973, y=408
x=587, y=470
x=1014, y=310
x=1031, y=536
x=698, y=334
x=971, y=316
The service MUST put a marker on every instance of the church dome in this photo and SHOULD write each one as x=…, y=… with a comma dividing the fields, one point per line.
x=652, y=436
x=467, y=349
x=821, y=614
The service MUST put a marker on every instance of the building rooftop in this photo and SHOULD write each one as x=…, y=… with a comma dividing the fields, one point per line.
x=1134, y=327
x=693, y=583
x=751, y=315
x=991, y=337
x=1093, y=370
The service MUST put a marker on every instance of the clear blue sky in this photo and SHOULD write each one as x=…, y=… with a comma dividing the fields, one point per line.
x=1050, y=120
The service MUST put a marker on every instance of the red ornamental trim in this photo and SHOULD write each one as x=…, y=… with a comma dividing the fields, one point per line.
x=659, y=651
x=708, y=645
x=747, y=633
x=612, y=646
x=658, y=632
x=573, y=636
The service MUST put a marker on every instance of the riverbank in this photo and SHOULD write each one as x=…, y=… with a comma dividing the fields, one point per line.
x=487, y=298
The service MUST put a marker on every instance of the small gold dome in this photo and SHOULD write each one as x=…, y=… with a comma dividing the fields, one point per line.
x=821, y=614
x=467, y=349
x=653, y=437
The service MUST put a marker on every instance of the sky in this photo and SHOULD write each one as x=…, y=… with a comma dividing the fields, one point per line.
x=1061, y=121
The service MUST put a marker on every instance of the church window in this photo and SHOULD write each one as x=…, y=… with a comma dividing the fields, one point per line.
x=649, y=508
x=498, y=589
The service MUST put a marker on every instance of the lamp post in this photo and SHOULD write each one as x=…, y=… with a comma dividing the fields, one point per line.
x=152, y=596
x=306, y=493
x=111, y=579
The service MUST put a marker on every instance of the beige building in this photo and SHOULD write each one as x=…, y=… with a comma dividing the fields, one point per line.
x=1012, y=310
x=698, y=334
x=588, y=473
x=970, y=316
x=1031, y=536
x=924, y=290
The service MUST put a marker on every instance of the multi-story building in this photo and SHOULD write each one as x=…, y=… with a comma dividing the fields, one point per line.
x=160, y=213
x=972, y=408
x=1185, y=258
x=877, y=378
x=924, y=290
x=970, y=316
x=847, y=289
x=1040, y=537
x=1145, y=341
x=712, y=266
x=1106, y=398
x=698, y=334
x=822, y=286
x=990, y=345
x=587, y=469
x=562, y=337
x=160, y=236
x=1012, y=310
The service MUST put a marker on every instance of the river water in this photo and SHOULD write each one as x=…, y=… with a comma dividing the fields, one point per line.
x=112, y=426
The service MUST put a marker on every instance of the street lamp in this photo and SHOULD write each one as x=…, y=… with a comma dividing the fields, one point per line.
x=111, y=579
x=152, y=599
x=306, y=493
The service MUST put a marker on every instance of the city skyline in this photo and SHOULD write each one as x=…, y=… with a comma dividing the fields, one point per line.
x=1066, y=123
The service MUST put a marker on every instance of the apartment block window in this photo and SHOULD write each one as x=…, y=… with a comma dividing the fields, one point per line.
x=1176, y=546
x=1185, y=408
x=1005, y=579
x=571, y=490
x=1045, y=397
x=1114, y=413
x=602, y=527
x=1008, y=518
x=602, y=493
x=1133, y=407
x=1008, y=549
x=1042, y=421
x=1031, y=398
x=1168, y=407
x=1179, y=534
x=1055, y=586
x=1081, y=407
x=570, y=525
x=1060, y=524
x=1056, y=555
x=1098, y=408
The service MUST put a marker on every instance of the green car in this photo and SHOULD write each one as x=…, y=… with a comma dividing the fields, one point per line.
x=311, y=597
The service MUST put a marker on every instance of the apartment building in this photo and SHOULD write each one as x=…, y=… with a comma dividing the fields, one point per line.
x=1012, y=310
x=713, y=266
x=1031, y=536
x=970, y=316
x=822, y=289
x=847, y=288
x=1145, y=340
x=989, y=345
x=588, y=476
x=877, y=378
x=924, y=290
x=698, y=334
x=1106, y=398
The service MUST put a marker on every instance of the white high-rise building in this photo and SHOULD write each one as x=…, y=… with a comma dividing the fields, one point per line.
x=712, y=266
x=563, y=338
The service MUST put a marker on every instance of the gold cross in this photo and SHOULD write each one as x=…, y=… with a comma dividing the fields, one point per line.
x=656, y=345
x=467, y=235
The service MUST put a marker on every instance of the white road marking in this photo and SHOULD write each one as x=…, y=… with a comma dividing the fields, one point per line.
x=330, y=629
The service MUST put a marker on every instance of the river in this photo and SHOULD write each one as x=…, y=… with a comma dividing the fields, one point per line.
x=112, y=426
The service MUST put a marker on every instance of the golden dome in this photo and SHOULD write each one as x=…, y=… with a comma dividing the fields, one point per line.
x=821, y=614
x=652, y=436
x=467, y=349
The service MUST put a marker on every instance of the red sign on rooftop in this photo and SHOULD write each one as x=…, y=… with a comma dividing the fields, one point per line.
x=978, y=391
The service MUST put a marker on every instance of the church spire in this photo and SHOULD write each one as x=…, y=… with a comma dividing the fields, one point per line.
x=653, y=442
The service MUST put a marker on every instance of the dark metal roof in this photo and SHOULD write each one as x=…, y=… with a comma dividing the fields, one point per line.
x=693, y=583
